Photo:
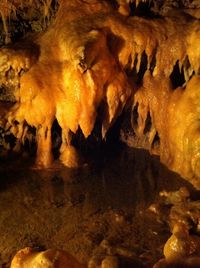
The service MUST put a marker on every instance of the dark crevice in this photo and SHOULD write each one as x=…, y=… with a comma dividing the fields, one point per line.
x=56, y=138
x=131, y=71
x=177, y=77
x=135, y=116
x=128, y=66
x=156, y=142
x=46, y=132
x=153, y=63
x=148, y=124
x=135, y=75
x=143, y=67
x=90, y=144
x=142, y=9
x=11, y=140
x=29, y=144
x=32, y=130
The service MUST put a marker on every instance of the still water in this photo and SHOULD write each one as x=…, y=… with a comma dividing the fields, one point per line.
x=76, y=210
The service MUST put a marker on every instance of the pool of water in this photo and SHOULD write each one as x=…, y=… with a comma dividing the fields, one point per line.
x=75, y=210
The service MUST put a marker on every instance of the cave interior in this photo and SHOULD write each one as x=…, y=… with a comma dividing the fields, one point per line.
x=100, y=133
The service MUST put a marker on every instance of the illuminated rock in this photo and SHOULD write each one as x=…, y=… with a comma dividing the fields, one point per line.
x=28, y=258
x=93, y=57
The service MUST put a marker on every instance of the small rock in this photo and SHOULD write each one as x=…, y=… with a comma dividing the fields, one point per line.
x=94, y=262
x=110, y=262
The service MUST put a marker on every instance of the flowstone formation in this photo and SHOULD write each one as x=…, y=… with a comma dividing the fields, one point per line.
x=94, y=61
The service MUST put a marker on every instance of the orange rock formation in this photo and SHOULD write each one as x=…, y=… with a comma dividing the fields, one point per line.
x=92, y=57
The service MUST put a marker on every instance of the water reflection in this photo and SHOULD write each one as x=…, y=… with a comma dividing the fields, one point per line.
x=49, y=208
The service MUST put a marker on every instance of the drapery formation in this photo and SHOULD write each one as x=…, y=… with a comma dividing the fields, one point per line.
x=92, y=62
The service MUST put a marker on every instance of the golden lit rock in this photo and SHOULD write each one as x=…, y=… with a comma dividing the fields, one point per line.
x=91, y=63
x=28, y=258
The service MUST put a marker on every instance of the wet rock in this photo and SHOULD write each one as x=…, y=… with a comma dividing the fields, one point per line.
x=110, y=262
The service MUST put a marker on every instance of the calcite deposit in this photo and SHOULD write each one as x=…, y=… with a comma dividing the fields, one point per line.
x=93, y=62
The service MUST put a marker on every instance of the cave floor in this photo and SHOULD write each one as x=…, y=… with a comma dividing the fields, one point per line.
x=98, y=209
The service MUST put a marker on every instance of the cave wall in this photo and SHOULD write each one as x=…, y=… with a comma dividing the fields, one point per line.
x=94, y=60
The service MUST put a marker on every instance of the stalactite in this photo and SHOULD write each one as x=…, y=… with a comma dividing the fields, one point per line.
x=93, y=57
